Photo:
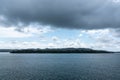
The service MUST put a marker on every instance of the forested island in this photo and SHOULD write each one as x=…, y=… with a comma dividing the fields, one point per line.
x=59, y=50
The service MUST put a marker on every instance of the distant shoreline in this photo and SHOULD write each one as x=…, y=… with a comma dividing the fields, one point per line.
x=59, y=51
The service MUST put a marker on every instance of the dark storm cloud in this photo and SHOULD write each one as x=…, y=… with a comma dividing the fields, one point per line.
x=83, y=14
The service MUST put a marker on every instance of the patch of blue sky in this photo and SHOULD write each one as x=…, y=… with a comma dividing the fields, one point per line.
x=64, y=34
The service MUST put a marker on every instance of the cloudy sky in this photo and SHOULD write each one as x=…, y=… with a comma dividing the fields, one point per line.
x=60, y=24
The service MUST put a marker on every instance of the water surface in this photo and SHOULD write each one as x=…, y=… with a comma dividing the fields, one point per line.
x=59, y=66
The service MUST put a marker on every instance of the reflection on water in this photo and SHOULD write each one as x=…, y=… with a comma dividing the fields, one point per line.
x=59, y=66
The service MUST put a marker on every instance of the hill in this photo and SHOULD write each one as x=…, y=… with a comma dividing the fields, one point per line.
x=60, y=50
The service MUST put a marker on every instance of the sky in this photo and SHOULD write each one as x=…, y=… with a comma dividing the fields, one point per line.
x=60, y=24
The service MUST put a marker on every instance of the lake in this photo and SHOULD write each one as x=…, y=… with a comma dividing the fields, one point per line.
x=59, y=66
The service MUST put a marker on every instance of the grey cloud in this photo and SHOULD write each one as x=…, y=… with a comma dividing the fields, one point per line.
x=72, y=14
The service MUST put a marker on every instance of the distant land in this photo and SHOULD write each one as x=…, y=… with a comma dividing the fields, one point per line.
x=5, y=50
x=59, y=50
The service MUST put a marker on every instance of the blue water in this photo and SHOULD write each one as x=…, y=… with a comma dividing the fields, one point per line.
x=59, y=66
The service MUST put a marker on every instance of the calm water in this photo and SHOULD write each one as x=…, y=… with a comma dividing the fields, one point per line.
x=59, y=66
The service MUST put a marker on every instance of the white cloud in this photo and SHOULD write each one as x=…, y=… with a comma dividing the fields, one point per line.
x=116, y=1
x=11, y=33
x=34, y=29
x=55, y=38
x=103, y=39
x=29, y=31
x=76, y=43
x=20, y=45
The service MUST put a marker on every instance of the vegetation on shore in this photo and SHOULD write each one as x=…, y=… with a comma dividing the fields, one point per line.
x=60, y=50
